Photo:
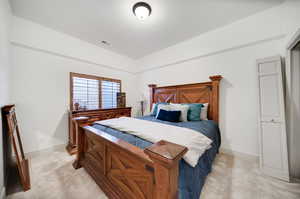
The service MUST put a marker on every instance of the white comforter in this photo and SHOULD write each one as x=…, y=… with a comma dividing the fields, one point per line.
x=196, y=142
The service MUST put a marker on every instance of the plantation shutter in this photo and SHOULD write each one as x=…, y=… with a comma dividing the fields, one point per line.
x=92, y=92
x=86, y=92
x=109, y=90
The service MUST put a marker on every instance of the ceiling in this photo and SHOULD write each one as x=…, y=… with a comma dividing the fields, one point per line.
x=172, y=21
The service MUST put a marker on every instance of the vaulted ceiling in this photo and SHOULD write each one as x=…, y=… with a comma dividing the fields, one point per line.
x=172, y=21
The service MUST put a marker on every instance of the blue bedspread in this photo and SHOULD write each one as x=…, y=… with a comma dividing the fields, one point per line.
x=191, y=179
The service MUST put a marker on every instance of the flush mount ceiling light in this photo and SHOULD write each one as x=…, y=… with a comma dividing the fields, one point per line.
x=141, y=10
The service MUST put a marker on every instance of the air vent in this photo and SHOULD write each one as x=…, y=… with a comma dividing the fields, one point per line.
x=105, y=43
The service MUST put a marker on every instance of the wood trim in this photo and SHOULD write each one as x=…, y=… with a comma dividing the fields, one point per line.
x=72, y=74
x=215, y=97
x=205, y=92
x=151, y=91
x=71, y=91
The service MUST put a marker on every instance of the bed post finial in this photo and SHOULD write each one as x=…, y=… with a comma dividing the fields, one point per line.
x=152, y=88
x=215, y=96
x=216, y=78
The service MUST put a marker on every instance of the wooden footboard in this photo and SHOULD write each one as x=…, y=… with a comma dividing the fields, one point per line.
x=124, y=171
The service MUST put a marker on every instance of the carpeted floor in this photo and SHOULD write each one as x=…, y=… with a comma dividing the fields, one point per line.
x=53, y=177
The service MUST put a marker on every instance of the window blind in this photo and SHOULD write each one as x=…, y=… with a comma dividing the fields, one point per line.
x=92, y=92
x=86, y=92
x=109, y=90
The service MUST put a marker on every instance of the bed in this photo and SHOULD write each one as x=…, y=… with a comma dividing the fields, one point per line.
x=126, y=166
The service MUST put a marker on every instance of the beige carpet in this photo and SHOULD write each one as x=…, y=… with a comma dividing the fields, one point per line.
x=53, y=177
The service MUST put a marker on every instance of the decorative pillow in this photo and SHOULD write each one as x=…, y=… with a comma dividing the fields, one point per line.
x=166, y=107
x=203, y=114
x=154, y=108
x=184, y=111
x=170, y=116
x=194, y=112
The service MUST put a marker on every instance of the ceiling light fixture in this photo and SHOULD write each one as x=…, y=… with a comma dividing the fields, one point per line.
x=142, y=10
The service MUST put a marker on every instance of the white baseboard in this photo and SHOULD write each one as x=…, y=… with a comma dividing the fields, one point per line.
x=239, y=154
x=3, y=195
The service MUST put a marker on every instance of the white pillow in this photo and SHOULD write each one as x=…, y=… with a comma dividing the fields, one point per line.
x=184, y=111
x=152, y=109
x=203, y=114
x=166, y=107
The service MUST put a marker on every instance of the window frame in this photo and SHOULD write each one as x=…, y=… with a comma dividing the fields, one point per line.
x=100, y=79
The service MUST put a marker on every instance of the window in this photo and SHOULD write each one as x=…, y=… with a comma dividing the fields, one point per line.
x=109, y=92
x=91, y=92
x=86, y=92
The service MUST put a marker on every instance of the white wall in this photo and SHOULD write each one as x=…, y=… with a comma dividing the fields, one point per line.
x=230, y=51
x=42, y=60
x=5, y=22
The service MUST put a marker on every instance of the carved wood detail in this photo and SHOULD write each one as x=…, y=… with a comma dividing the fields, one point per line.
x=130, y=175
x=165, y=96
x=206, y=92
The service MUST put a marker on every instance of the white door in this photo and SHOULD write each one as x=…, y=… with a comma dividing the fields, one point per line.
x=272, y=124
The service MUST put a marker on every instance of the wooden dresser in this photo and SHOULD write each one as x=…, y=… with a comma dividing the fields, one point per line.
x=93, y=115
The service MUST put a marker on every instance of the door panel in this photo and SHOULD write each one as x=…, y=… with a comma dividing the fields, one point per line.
x=267, y=68
x=269, y=92
x=271, y=150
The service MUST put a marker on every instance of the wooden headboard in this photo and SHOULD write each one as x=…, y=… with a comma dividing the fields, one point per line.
x=205, y=92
